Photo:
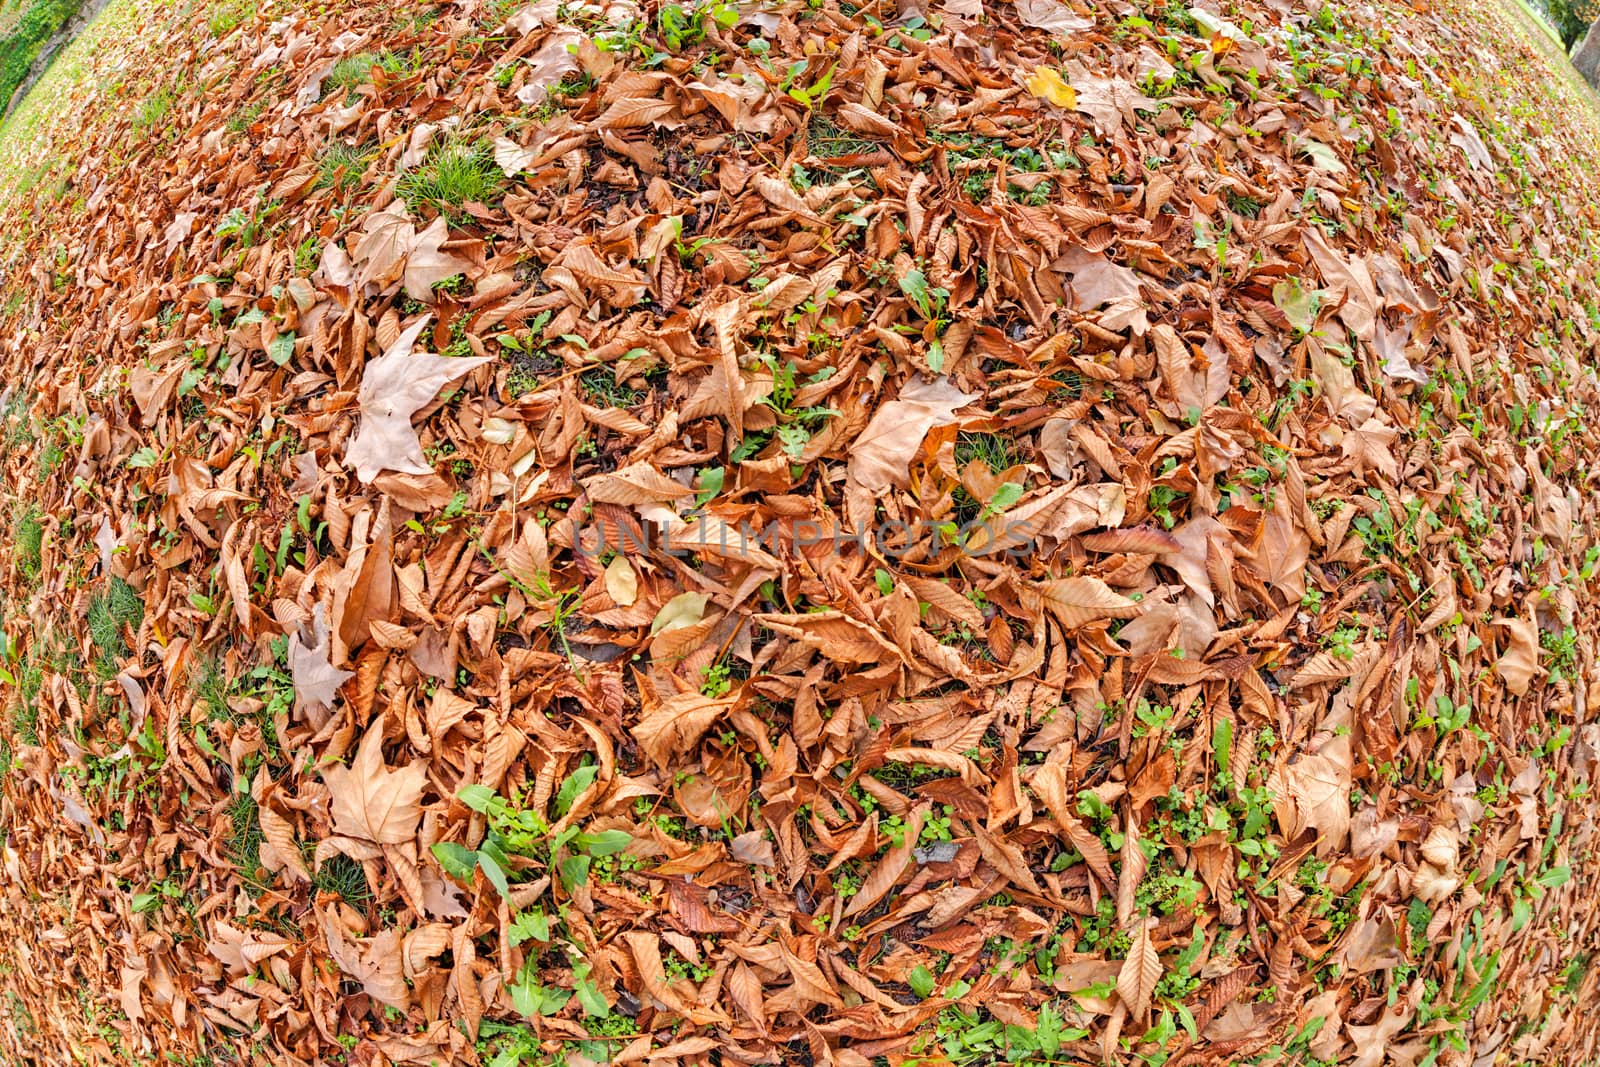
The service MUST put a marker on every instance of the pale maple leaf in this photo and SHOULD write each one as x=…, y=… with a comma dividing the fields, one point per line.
x=386, y=237
x=1095, y=279
x=177, y=231
x=242, y=951
x=1052, y=15
x=1319, y=789
x=375, y=962
x=1372, y=445
x=1111, y=101
x=1359, y=309
x=316, y=679
x=426, y=265
x=372, y=802
x=394, y=387
x=532, y=16
x=512, y=158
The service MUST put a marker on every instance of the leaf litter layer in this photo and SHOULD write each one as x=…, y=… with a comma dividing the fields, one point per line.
x=803, y=534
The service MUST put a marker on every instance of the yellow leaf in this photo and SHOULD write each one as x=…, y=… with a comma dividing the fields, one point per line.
x=685, y=609
x=1046, y=84
x=621, y=583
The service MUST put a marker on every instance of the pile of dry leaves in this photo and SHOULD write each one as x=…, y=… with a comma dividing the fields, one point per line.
x=1004, y=530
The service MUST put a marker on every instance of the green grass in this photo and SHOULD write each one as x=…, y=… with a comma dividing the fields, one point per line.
x=340, y=166
x=997, y=453
x=242, y=119
x=113, y=610
x=154, y=109
x=454, y=173
x=210, y=687
x=228, y=17
x=601, y=388
x=22, y=44
x=50, y=113
x=244, y=842
x=352, y=72
x=30, y=543
x=344, y=876
x=25, y=713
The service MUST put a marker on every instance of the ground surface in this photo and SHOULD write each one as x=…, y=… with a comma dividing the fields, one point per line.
x=1228, y=703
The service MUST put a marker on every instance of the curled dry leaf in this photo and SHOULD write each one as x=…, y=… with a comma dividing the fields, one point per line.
x=1319, y=795
x=1518, y=664
x=677, y=723
x=376, y=962
x=1079, y=601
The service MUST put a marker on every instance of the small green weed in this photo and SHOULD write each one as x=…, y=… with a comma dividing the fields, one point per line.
x=228, y=17
x=154, y=108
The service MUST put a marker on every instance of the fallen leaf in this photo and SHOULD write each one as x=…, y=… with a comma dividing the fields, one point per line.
x=1052, y=16
x=1141, y=970
x=622, y=585
x=881, y=456
x=316, y=679
x=683, y=610
x=376, y=962
x=394, y=387
x=554, y=60
x=677, y=723
x=372, y=802
x=1111, y=101
x=426, y=265
x=1082, y=600
x=1319, y=788
x=1350, y=276
x=1520, y=661
x=1046, y=83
